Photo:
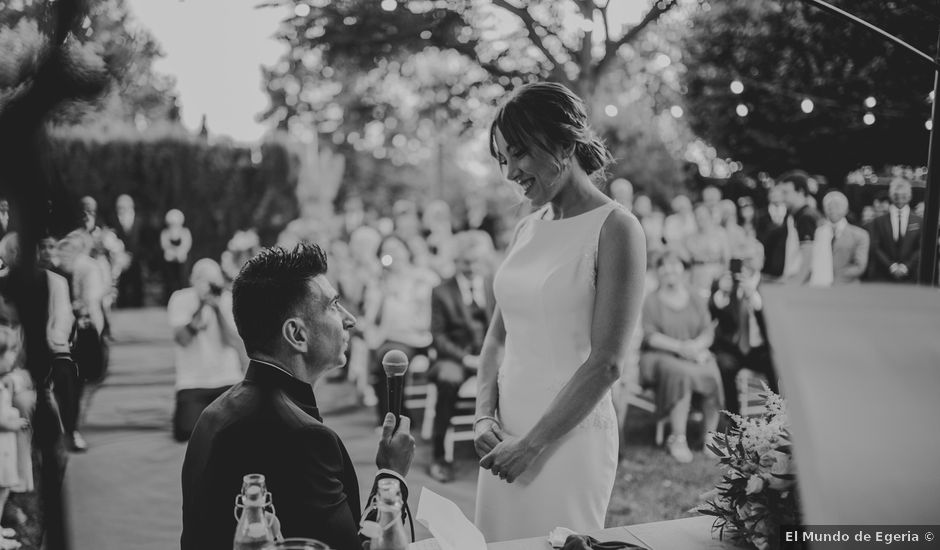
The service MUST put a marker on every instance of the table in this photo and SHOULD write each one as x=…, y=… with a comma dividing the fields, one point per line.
x=679, y=534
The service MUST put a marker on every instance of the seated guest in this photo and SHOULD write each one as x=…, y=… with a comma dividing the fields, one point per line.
x=707, y=250
x=461, y=308
x=397, y=311
x=740, y=331
x=840, y=250
x=680, y=224
x=295, y=331
x=676, y=361
x=208, y=349
x=895, y=238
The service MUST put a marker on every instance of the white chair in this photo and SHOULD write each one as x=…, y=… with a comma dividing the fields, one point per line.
x=461, y=424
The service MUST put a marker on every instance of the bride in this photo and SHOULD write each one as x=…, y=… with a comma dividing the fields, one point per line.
x=568, y=295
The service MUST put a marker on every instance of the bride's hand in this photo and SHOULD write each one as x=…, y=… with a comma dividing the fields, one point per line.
x=511, y=458
x=486, y=436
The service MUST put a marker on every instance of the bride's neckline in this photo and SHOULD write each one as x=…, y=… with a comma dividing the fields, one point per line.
x=547, y=210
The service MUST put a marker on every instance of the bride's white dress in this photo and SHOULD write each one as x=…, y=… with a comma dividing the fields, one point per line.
x=545, y=289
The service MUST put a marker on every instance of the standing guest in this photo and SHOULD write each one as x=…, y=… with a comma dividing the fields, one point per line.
x=868, y=216
x=711, y=198
x=408, y=230
x=801, y=223
x=295, y=331
x=881, y=203
x=397, y=311
x=439, y=235
x=770, y=227
x=129, y=229
x=89, y=289
x=741, y=245
x=680, y=224
x=707, y=250
x=676, y=360
x=621, y=190
x=240, y=248
x=895, y=238
x=651, y=219
x=90, y=216
x=461, y=308
x=176, y=242
x=568, y=296
x=208, y=351
x=747, y=216
x=480, y=217
x=740, y=331
x=840, y=252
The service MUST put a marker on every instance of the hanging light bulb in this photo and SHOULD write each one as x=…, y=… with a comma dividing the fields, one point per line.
x=676, y=111
x=807, y=106
x=870, y=102
x=737, y=87
x=928, y=125
x=868, y=119
x=741, y=110
x=611, y=110
x=389, y=5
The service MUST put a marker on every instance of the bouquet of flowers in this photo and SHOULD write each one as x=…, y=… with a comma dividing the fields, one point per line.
x=757, y=494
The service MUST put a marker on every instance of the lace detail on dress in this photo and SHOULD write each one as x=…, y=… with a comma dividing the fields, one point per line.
x=601, y=417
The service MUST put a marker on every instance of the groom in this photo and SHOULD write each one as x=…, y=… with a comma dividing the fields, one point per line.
x=295, y=330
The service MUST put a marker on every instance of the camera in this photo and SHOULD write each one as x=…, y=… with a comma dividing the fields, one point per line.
x=736, y=265
x=215, y=289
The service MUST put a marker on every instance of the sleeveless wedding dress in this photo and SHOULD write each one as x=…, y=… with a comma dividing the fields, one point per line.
x=545, y=289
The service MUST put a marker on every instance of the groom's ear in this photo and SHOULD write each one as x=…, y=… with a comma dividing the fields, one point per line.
x=295, y=333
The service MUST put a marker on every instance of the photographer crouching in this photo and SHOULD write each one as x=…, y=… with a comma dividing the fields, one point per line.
x=209, y=353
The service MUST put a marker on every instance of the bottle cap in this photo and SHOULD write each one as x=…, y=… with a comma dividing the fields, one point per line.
x=253, y=493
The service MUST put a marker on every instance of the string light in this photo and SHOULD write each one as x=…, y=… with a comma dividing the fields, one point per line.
x=870, y=102
x=389, y=5
x=928, y=125
x=611, y=110
x=807, y=106
x=302, y=10
x=868, y=119
x=742, y=110
x=676, y=111
x=737, y=87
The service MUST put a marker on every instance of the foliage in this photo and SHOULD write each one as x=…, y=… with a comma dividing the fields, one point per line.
x=786, y=51
x=757, y=494
x=221, y=188
x=399, y=79
x=106, y=44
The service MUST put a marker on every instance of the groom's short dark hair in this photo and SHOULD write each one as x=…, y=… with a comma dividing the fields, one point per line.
x=270, y=288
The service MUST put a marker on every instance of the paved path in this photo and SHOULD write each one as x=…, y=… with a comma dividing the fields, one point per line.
x=125, y=492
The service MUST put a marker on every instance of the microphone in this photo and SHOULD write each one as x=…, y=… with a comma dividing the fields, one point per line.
x=395, y=363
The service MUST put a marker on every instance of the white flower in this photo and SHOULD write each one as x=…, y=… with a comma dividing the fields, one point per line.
x=755, y=484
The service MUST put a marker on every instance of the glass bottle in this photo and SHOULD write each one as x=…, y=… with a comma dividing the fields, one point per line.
x=253, y=531
x=389, y=503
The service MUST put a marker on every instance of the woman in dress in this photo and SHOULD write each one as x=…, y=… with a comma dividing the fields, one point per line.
x=676, y=361
x=568, y=296
x=707, y=250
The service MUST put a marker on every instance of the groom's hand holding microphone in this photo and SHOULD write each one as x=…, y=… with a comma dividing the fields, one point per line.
x=397, y=446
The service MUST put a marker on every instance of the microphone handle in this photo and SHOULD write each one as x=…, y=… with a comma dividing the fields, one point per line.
x=396, y=390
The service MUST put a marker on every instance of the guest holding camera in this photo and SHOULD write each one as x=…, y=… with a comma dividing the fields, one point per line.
x=740, y=333
x=208, y=350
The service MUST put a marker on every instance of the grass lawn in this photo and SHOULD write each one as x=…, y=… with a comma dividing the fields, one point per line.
x=651, y=485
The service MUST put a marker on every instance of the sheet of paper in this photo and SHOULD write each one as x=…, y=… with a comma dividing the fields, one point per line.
x=451, y=529
x=426, y=544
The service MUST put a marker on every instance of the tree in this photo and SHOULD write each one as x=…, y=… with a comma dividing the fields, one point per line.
x=409, y=81
x=110, y=44
x=786, y=58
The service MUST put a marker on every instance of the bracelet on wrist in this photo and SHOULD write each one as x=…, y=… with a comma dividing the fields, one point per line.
x=482, y=418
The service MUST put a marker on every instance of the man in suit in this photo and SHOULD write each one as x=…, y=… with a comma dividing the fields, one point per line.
x=295, y=331
x=771, y=232
x=895, y=238
x=740, y=333
x=128, y=229
x=461, y=307
x=840, y=253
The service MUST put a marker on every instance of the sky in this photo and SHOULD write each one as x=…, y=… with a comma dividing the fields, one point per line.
x=215, y=49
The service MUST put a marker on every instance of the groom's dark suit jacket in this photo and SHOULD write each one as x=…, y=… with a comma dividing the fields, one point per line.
x=269, y=424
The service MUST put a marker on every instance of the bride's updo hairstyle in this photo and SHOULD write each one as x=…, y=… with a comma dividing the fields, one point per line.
x=552, y=118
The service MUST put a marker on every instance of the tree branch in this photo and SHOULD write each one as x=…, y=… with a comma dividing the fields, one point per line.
x=606, y=22
x=656, y=11
x=530, y=25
